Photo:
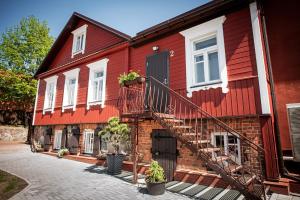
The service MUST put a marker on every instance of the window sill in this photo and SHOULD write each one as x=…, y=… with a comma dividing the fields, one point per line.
x=47, y=110
x=77, y=52
x=207, y=84
x=68, y=107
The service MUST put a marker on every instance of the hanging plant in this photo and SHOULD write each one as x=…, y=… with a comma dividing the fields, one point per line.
x=131, y=78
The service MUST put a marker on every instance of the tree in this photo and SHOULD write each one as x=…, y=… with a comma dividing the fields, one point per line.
x=23, y=47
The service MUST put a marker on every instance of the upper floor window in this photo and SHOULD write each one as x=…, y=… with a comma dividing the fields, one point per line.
x=50, y=94
x=97, y=83
x=70, y=90
x=205, y=56
x=79, y=40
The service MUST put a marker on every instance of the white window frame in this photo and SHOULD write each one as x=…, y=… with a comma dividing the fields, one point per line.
x=201, y=32
x=98, y=66
x=50, y=80
x=237, y=159
x=57, y=139
x=78, y=33
x=72, y=74
x=89, y=145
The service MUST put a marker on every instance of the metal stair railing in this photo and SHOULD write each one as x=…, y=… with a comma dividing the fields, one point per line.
x=225, y=150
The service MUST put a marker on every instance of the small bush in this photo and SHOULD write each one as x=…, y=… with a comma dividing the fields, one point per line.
x=155, y=173
x=62, y=152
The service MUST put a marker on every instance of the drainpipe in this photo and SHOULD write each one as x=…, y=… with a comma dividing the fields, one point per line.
x=283, y=171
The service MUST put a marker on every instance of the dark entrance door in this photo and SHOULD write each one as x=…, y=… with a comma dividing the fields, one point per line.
x=164, y=151
x=157, y=66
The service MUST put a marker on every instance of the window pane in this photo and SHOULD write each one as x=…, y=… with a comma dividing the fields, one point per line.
x=95, y=90
x=205, y=43
x=81, y=43
x=213, y=66
x=71, y=91
x=100, y=90
x=50, y=95
x=199, y=72
x=78, y=43
x=198, y=58
x=98, y=74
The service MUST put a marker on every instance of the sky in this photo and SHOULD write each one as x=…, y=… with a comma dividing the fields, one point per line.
x=127, y=16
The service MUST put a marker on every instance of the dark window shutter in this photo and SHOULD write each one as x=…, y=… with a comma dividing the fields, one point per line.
x=96, y=144
x=76, y=130
x=64, y=137
x=294, y=122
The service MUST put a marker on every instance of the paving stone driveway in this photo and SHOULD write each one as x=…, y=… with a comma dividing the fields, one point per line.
x=53, y=178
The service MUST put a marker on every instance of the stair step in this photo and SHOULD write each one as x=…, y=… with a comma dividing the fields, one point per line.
x=200, y=142
x=233, y=168
x=182, y=127
x=246, y=179
x=220, y=158
x=164, y=115
x=210, y=149
x=173, y=120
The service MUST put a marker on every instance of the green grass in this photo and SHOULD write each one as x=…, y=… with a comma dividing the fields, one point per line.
x=10, y=185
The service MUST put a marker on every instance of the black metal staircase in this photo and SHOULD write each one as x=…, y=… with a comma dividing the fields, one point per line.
x=224, y=150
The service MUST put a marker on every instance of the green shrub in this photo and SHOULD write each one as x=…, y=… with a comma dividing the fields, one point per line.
x=62, y=152
x=155, y=173
x=115, y=133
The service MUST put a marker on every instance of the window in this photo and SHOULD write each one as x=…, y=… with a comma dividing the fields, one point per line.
x=97, y=83
x=50, y=94
x=57, y=139
x=293, y=111
x=88, y=141
x=79, y=40
x=70, y=90
x=205, y=56
x=230, y=144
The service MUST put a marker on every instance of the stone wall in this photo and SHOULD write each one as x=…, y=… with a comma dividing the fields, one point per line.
x=13, y=134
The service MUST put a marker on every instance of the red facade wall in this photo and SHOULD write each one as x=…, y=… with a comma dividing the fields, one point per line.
x=96, y=114
x=96, y=39
x=241, y=67
x=283, y=37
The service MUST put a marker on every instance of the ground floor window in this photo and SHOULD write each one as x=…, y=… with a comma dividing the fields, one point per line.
x=229, y=143
x=57, y=139
x=88, y=141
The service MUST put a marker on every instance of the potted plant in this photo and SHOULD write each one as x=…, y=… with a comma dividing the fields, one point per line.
x=131, y=78
x=115, y=134
x=62, y=152
x=155, y=179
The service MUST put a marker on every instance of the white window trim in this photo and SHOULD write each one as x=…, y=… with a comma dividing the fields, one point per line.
x=212, y=27
x=213, y=142
x=260, y=61
x=77, y=32
x=35, y=103
x=100, y=65
x=52, y=79
x=74, y=73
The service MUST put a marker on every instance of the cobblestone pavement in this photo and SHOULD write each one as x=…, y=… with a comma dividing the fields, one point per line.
x=53, y=178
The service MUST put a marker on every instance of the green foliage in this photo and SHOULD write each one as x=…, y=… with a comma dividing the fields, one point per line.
x=62, y=152
x=115, y=133
x=23, y=47
x=128, y=77
x=155, y=173
x=17, y=87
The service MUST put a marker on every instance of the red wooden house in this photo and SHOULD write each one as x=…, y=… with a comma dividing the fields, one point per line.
x=206, y=104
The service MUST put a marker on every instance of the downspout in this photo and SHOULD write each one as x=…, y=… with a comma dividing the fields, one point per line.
x=283, y=171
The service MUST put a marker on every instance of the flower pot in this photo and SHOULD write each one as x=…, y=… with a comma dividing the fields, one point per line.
x=156, y=188
x=114, y=163
x=140, y=79
x=132, y=82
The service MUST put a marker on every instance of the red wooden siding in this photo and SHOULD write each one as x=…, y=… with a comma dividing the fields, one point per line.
x=243, y=95
x=96, y=114
x=96, y=39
